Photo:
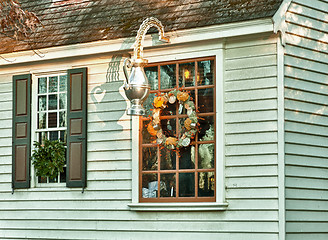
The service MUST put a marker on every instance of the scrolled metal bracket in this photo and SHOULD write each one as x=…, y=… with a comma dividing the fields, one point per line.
x=144, y=27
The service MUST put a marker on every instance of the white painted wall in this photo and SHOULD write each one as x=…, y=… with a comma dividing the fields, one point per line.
x=101, y=212
x=306, y=115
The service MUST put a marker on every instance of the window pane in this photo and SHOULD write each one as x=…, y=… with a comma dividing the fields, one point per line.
x=53, y=180
x=187, y=157
x=62, y=119
x=168, y=159
x=53, y=84
x=186, y=184
x=168, y=76
x=187, y=74
x=42, y=179
x=206, y=184
x=63, y=136
x=53, y=135
x=169, y=127
x=205, y=100
x=62, y=83
x=42, y=120
x=206, y=156
x=149, y=158
x=63, y=176
x=148, y=104
x=167, y=184
x=205, y=72
x=206, y=128
x=62, y=101
x=42, y=85
x=52, y=103
x=52, y=120
x=152, y=75
x=42, y=137
x=148, y=133
x=42, y=103
x=149, y=185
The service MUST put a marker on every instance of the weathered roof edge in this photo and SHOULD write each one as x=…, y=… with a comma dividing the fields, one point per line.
x=124, y=45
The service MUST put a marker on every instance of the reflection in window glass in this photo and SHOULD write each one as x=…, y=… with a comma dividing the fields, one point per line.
x=62, y=101
x=152, y=75
x=168, y=76
x=62, y=83
x=206, y=156
x=206, y=184
x=42, y=85
x=42, y=103
x=187, y=74
x=148, y=104
x=53, y=84
x=205, y=72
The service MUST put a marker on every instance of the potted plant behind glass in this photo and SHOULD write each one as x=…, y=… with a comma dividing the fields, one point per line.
x=49, y=158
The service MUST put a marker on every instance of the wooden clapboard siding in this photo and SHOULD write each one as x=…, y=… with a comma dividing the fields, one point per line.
x=306, y=115
x=5, y=133
x=251, y=128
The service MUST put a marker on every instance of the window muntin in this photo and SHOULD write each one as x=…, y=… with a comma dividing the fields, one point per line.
x=51, y=101
x=187, y=175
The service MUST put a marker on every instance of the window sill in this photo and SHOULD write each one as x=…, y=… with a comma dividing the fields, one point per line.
x=152, y=207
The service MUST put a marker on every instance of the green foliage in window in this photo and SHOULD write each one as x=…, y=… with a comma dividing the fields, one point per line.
x=49, y=158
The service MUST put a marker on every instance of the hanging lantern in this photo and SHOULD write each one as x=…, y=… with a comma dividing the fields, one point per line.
x=136, y=86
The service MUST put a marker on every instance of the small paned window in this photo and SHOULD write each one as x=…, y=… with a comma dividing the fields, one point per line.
x=51, y=115
x=187, y=174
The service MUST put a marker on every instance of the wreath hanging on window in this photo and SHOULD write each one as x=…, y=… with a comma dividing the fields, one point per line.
x=189, y=128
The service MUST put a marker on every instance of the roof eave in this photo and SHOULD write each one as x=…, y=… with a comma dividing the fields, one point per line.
x=125, y=45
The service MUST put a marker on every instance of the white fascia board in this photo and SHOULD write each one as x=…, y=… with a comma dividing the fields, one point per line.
x=126, y=44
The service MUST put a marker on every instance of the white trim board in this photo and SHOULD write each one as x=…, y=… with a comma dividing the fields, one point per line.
x=125, y=44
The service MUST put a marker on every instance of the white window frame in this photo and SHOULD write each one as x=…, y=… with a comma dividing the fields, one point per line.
x=173, y=53
x=34, y=129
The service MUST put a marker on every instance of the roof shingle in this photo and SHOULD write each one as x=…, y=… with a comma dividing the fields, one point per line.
x=79, y=21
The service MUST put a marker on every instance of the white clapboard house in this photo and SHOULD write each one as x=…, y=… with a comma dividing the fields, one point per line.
x=257, y=167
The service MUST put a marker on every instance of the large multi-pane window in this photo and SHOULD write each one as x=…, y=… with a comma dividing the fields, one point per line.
x=51, y=114
x=186, y=174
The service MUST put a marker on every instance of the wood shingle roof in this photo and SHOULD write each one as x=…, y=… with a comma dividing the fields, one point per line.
x=68, y=22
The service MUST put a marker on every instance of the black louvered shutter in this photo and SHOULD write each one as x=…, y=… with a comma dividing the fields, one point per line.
x=76, y=174
x=21, y=130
